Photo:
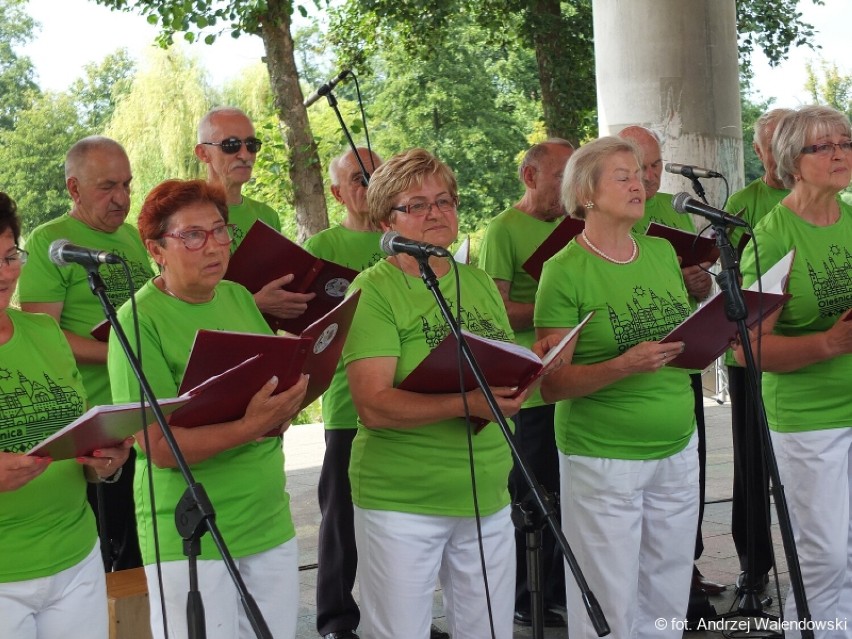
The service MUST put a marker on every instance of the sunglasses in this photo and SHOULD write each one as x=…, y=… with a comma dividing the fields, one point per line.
x=232, y=145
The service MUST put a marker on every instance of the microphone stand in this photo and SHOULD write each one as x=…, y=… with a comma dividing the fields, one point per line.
x=332, y=102
x=194, y=512
x=728, y=280
x=541, y=501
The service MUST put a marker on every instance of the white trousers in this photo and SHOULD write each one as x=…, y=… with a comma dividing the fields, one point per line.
x=631, y=525
x=70, y=603
x=402, y=555
x=271, y=577
x=816, y=473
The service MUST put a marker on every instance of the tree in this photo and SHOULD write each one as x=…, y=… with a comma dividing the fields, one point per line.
x=833, y=88
x=156, y=120
x=32, y=157
x=102, y=87
x=17, y=73
x=559, y=32
x=271, y=20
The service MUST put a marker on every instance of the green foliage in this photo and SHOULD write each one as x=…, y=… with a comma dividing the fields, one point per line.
x=32, y=157
x=102, y=87
x=156, y=120
x=17, y=74
x=774, y=26
x=833, y=88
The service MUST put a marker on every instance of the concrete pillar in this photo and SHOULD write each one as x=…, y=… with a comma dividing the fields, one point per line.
x=672, y=66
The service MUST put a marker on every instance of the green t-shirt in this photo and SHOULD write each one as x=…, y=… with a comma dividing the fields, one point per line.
x=646, y=415
x=47, y=525
x=752, y=203
x=42, y=281
x=510, y=239
x=424, y=470
x=357, y=250
x=816, y=396
x=659, y=209
x=246, y=484
x=244, y=215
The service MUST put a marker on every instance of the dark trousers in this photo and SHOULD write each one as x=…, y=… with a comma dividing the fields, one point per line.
x=698, y=394
x=749, y=468
x=337, y=556
x=117, y=519
x=535, y=440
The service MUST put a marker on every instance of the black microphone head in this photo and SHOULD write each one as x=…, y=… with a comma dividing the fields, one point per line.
x=679, y=202
x=386, y=243
x=55, y=252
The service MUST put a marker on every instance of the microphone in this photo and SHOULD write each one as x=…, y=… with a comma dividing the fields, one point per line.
x=692, y=172
x=63, y=253
x=327, y=87
x=393, y=243
x=683, y=203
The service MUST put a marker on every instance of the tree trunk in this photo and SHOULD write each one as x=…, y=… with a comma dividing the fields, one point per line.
x=304, y=165
x=563, y=53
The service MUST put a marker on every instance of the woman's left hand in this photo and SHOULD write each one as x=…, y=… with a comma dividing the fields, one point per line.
x=543, y=346
x=105, y=462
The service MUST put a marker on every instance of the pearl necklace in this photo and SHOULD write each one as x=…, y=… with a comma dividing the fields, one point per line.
x=607, y=257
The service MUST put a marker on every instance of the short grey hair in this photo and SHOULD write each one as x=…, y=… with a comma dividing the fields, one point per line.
x=764, y=123
x=80, y=150
x=537, y=152
x=206, y=121
x=793, y=131
x=583, y=171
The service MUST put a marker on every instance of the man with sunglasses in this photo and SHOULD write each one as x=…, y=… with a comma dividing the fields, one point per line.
x=97, y=176
x=228, y=146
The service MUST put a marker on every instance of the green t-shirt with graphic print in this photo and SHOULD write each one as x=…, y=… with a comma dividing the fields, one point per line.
x=46, y=525
x=42, y=281
x=817, y=396
x=357, y=250
x=244, y=214
x=426, y=469
x=646, y=415
x=510, y=239
x=245, y=483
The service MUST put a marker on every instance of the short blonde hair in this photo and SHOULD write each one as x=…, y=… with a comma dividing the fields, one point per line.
x=398, y=175
x=793, y=131
x=583, y=171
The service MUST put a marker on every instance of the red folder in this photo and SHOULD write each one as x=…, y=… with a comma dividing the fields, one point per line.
x=692, y=249
x=265, y=255
x=99, y=427
x=707, y=333
x=561, y=235
x=502, y=363
x=315, y=352
x=101, y=331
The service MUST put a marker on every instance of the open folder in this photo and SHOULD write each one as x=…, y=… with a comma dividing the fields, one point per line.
x=502, y=363
x=265, y=255
x=707, y=332
x=314, y=352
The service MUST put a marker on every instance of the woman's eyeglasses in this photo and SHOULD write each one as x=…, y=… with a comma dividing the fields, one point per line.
x=196, y=239
x=14, y=260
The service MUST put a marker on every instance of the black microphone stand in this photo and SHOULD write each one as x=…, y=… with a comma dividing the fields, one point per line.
x=541, y=501
x=194, y=512
x=332, y=102
x=736, y=311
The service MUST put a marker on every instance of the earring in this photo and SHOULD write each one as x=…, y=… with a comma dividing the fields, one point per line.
x=589, y=204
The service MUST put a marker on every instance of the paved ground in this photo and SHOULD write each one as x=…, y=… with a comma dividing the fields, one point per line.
x=304, y=448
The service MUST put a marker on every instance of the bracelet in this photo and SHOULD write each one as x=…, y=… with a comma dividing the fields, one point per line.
x=112, y=478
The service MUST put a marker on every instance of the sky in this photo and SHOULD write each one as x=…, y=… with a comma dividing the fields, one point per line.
x=77, y=32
